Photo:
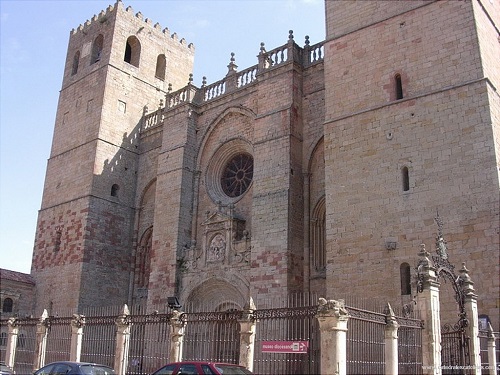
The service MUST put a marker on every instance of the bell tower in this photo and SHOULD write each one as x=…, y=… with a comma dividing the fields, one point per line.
x=118, y=64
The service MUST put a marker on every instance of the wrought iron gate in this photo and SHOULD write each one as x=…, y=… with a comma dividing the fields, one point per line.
x=455, y=355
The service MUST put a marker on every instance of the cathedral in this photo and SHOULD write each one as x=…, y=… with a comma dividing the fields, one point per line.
x=321, y=169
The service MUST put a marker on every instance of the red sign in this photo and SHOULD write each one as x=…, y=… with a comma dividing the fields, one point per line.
x=285, y=346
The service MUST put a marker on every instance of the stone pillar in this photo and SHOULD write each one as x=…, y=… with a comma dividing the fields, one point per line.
x=122, y=341
x=293, y=53
x=263, y=59
x=428, y=304
x=77, y=324
x=492, y=357
x=470, y=307
x=307, y=231
x=41, y=340
x=332, y=317
x=231, y=76
x=10, y=351
x=176, y=336
x=247, y=335
x=391, y=342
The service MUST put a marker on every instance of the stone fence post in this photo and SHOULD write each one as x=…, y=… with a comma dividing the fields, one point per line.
x=122, y=341
x=176, y=336
x=332, y=317
x=77, y=324
x=247, y=336
x=492, y=355
x=42, y=329
x=428, y=304
x=10, y=352
x=391, y=342
x=470, y=307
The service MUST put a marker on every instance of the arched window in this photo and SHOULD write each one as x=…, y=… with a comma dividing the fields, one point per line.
x=143, y=259
x=97, y=47
x=318, y=237
x=161, y=66
x=76, y=61
x=132, y=51
x=398, y=86
x=405, y=177
x=114, y=190
x=7, y=305
x=404, y=273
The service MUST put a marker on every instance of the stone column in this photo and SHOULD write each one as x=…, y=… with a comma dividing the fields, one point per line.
x=247, y=335
x=10, y=351
x=428, y=304
x=391, y=342
x=122, y=341
x=470, y=307
x=332, y=317
x=42, y=329
x=176, y=336
x=492, y=358
x=77, y=324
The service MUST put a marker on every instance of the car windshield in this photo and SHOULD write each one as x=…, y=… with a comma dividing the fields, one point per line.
x=232, y=370
x=96, y=370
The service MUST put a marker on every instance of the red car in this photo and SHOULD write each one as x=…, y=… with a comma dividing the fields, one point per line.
x=202, y=368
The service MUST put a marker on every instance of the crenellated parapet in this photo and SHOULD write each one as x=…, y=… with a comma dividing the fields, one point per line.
x=105, y=15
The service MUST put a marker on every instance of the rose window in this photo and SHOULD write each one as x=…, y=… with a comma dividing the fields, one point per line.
x=237, y=175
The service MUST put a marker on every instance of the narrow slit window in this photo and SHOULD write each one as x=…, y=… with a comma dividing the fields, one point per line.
x=399, y=86
x=161, y=64
x=404, y=271
x=405, y=175
x=76, y=61
x=114, y=190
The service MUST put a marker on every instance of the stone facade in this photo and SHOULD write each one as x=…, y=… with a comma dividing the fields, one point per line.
x=320, y=169
x=17, y=293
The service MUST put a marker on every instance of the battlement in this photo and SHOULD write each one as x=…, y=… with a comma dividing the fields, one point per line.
x=112, y=10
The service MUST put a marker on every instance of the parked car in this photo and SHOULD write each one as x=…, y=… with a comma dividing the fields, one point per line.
x=75, y=368
x=202, y=368
x=5, y=370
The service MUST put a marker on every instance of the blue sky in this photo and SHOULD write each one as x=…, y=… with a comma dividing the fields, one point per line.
x=34, y=37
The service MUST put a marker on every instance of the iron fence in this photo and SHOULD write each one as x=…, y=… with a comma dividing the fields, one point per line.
x=365, y=342
x=99, y=340
x=410, y=345
x=215, y=336
x=289, y=324
x=26, y=342
x=149, y=342
x=58, y=339
x=212, y=336
x=484, y=337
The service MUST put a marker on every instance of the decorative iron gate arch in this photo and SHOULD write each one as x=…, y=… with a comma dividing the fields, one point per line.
x=455, y=341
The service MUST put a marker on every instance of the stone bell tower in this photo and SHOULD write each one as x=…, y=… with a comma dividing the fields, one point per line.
x=117, y=65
